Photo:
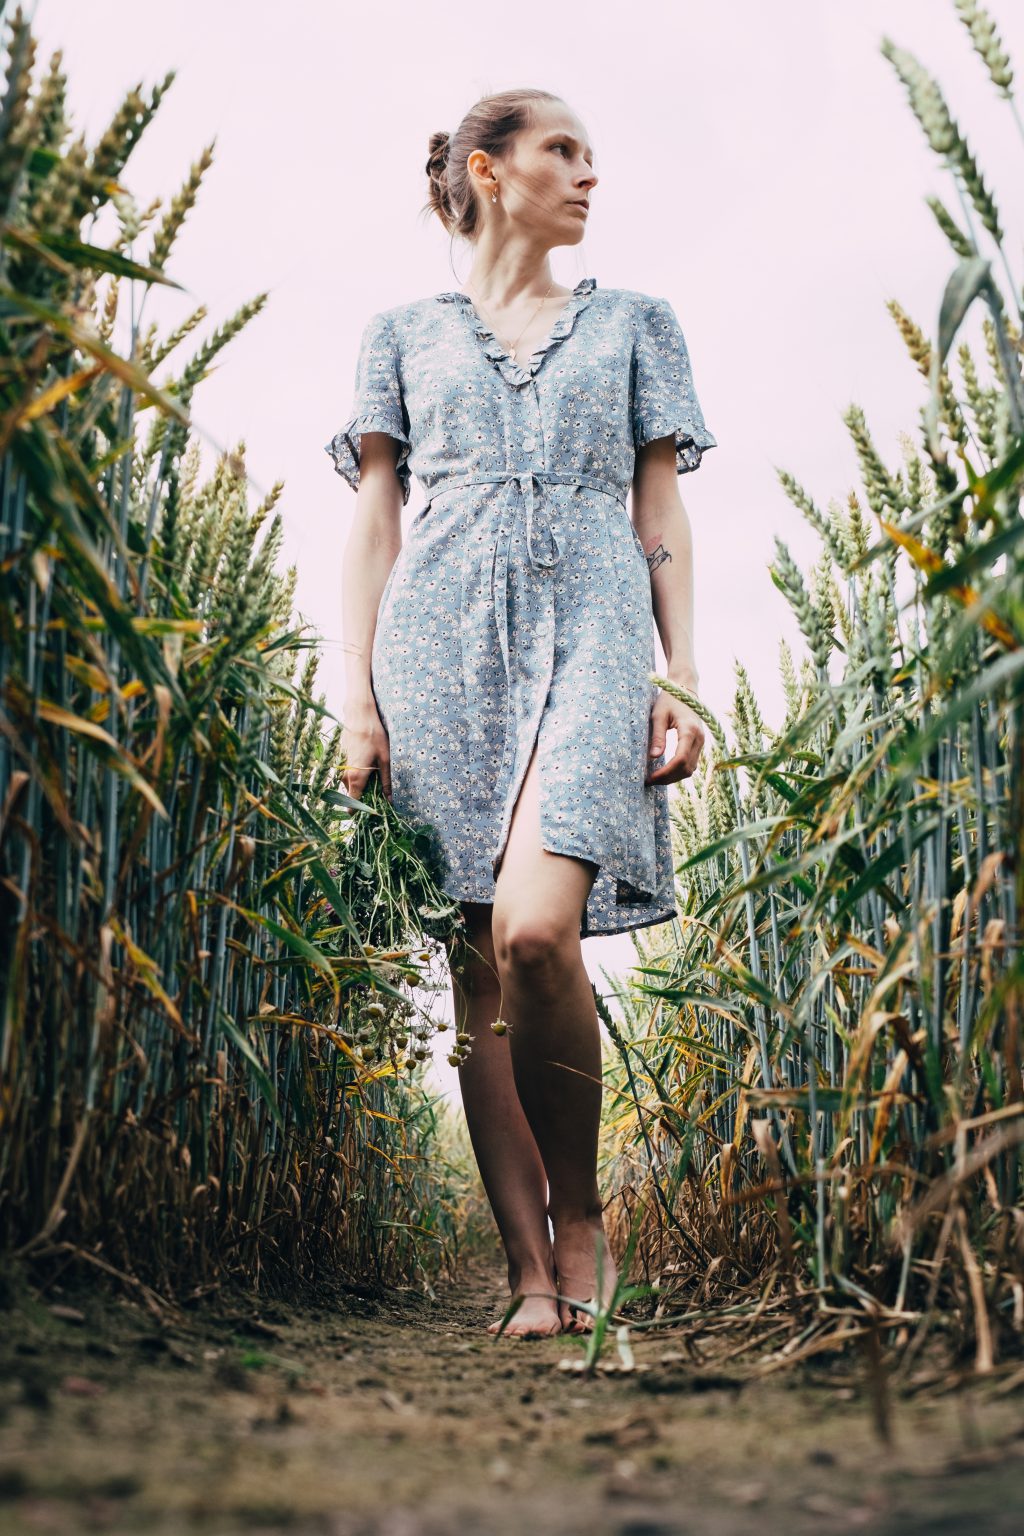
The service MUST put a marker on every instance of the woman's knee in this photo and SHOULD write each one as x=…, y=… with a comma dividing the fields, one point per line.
x=532, y=941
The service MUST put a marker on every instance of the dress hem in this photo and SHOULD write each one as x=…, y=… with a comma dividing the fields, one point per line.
x=647, y=922
x=665, y=915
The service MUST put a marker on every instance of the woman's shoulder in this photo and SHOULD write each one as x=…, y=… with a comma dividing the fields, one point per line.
x=398, y=317
x=632, y=299
x=414, y=309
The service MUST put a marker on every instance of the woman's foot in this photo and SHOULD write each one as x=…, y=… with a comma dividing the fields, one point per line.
x=538, y=1316
x=578, y=1240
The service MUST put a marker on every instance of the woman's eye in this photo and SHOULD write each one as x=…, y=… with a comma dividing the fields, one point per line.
x=559, y=146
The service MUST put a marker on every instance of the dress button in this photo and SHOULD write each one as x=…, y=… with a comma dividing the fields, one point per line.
x=529, y=443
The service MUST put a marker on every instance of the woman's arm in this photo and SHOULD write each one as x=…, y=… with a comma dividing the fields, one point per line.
x=372, y=547
x=663, y=529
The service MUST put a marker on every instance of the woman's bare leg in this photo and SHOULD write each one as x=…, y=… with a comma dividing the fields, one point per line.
x=554, y=1037
x=506, y=1152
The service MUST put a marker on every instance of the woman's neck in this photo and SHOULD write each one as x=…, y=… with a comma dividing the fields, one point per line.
x=509, y=273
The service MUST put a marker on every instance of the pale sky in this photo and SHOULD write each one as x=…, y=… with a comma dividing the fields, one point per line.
x=759, y=167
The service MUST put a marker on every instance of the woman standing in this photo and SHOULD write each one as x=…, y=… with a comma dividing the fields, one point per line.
x=498, y=662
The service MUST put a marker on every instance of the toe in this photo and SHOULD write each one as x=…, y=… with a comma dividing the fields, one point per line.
x=540, y=1325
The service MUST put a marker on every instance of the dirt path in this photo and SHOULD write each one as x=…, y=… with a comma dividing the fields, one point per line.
x=401, y=1417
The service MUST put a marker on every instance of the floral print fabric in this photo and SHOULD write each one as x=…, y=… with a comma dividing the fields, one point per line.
x=518, y=613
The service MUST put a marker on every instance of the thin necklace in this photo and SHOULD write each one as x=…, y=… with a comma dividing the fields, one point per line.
x=512, y=345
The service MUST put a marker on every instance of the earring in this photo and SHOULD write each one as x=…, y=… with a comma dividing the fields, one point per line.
x=494, y=197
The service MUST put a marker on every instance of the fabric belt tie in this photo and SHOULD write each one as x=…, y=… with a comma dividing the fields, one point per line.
x=525, y=480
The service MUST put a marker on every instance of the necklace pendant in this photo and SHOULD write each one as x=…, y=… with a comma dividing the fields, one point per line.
x=512, y=352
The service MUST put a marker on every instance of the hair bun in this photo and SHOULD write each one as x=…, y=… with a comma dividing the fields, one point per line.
x=439, y=198
x=439, y=144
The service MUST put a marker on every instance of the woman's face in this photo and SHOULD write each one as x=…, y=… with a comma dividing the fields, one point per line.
x=545, y=182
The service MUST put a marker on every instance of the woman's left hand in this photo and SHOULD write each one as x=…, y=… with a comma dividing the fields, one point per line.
x=668, y=714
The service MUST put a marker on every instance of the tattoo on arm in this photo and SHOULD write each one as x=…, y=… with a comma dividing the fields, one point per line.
x=657, y=557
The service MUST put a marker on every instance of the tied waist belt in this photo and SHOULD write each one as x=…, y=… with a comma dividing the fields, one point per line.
x=523, y=480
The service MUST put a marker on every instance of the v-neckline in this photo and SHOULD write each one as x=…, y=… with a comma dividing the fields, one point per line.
x=515, y=372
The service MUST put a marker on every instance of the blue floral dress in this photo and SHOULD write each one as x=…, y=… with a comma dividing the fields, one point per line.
x=518, y=613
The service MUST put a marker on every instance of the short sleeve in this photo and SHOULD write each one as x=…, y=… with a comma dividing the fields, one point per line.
x=664, y=401
x=377, y=405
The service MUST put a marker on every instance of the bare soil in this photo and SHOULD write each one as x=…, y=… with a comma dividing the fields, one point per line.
x=395, y=1414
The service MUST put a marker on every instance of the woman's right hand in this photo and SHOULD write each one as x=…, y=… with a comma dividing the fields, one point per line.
x=366, y=748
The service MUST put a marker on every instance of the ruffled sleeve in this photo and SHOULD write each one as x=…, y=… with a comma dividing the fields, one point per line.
x=378, y=405
x=663, y=400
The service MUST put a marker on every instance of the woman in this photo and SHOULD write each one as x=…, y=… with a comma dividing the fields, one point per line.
x=498, y=662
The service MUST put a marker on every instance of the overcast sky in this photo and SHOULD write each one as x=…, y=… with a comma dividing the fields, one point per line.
x=758, y=165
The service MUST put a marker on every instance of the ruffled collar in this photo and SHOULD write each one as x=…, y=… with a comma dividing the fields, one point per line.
x=517, y=373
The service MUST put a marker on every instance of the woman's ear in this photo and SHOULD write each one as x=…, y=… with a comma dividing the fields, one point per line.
x=478, y=165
